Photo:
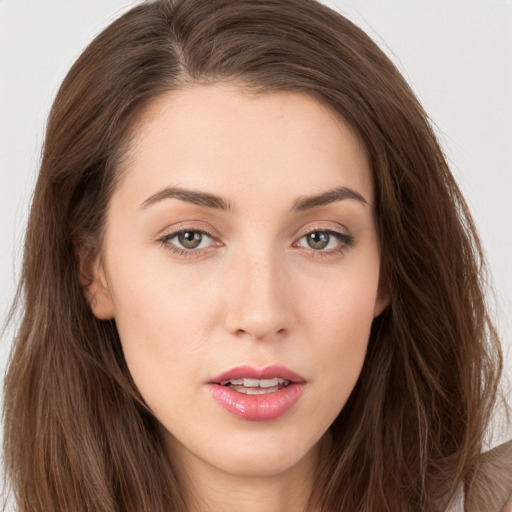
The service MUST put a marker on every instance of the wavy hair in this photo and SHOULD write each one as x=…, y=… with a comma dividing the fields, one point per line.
x=78, y=435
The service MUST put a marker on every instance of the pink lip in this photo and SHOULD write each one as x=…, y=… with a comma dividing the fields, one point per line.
x=257, y=407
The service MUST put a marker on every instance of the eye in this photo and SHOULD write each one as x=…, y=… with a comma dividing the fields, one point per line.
x=187, y=240
x=325, y=240
x=191, y=239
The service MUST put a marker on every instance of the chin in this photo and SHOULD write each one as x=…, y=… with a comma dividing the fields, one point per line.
x=266, y=455
x=265, y=463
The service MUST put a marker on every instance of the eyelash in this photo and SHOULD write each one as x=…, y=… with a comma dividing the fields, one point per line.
x=346, y=241
x=165, y=240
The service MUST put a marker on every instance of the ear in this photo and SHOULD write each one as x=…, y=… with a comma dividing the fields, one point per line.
x=383, y=297
x=92, y=277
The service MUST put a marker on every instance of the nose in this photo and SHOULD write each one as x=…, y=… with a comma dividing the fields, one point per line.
x=259, y=300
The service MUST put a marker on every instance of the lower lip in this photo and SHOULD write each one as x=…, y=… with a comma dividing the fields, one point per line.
x=257, y=407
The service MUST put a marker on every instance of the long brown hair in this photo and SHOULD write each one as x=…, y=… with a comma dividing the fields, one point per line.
x=78, y=435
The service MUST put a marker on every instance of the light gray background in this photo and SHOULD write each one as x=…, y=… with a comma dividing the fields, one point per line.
x=456, y=54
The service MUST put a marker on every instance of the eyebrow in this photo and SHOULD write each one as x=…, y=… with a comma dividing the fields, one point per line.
x=219, y=203
x=331, y=196
x=189, y=196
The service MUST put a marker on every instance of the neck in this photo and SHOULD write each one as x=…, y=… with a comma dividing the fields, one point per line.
x=225, y=493
x=212, y=490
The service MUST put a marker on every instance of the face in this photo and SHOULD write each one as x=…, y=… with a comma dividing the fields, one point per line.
x=241, y=265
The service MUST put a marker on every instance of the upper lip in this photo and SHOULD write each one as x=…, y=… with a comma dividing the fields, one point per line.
x=252, y=372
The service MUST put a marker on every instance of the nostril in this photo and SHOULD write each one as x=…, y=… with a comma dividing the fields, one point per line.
x=259, y=335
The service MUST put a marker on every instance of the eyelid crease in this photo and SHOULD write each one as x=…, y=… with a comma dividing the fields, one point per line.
x=324, y=226
x=195, y=227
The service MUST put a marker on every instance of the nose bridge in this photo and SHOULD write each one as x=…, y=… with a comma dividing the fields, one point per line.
x=258, y=304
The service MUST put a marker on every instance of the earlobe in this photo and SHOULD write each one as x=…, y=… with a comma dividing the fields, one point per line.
x=381, y=303
x=383, y=298
x=93, y=280
x=98, y=294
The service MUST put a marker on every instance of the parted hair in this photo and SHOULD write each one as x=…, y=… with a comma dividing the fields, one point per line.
x=78, y=435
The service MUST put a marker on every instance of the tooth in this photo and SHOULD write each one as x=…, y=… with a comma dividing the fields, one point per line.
x=256, y=383
x=268, y=383
x=256, y=391
x=251, y=383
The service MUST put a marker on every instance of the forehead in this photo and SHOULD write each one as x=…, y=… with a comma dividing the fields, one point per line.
x=225, y=139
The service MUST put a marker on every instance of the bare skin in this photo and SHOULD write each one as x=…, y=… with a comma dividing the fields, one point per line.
x=276, y=193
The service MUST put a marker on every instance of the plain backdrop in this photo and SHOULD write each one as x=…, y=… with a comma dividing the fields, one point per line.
x=456, y=54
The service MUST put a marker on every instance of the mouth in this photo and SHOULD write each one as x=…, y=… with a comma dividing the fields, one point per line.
x=257, y=394
x=256, y=386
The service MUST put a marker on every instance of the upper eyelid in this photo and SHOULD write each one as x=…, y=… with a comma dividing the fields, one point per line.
x=209, y=233
x=323, y=230
x=339, y=230
x=169, y=233
x=214, y=235
x=184, y=230
x=166, y=238
x=344, y=238
x=166, y=241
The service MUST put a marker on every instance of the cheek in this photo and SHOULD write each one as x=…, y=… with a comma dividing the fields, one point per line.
x=341, y=307
x=339, y=322
x=161, y=328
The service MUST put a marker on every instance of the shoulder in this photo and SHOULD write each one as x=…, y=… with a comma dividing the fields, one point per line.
x=490, y=488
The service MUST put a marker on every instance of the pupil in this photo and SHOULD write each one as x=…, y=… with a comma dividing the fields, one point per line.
x=190, y=239
x=318, y=240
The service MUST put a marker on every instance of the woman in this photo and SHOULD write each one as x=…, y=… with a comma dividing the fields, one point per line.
x=250, y=281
